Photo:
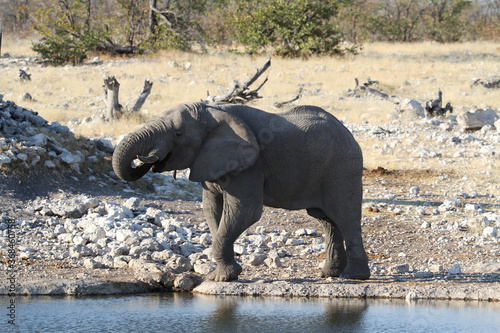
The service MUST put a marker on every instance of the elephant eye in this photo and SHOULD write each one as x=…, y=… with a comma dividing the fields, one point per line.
x=178, y=134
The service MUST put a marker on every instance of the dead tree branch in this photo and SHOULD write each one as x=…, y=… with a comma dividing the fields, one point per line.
x=23, y=76
x=487, y=83
x=240, y=93
x=299, y=95
x=433, y=107
x=364, y=87
x=146, y=90
x=164, y=15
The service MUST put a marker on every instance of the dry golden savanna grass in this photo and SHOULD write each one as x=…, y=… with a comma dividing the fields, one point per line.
x=414, y=70
x=405, y=70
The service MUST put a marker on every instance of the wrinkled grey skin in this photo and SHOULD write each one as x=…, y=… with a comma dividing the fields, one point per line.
x=246, y=158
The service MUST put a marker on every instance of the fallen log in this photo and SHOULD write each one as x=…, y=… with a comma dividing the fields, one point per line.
x=365, y=87
x=486, y=83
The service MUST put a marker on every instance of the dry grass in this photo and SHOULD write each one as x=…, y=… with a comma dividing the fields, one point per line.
x=405, y=70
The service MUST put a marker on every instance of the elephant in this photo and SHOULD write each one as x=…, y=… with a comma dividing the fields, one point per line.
x=246, y=158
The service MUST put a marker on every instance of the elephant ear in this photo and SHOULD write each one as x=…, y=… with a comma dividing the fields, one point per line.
x=230, y=146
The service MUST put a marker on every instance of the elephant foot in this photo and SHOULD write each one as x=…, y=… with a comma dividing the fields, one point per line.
x=356, y=271
x=225, y=272
x=333, y=269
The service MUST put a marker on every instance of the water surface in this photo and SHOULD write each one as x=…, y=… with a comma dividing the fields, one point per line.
x=199, y=313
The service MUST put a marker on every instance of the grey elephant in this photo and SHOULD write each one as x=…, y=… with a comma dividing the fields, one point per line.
x=246, y=158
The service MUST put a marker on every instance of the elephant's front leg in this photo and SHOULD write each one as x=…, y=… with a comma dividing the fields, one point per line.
x=240, y=211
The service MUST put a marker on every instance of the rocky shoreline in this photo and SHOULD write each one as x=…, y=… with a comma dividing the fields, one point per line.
x=429, y=233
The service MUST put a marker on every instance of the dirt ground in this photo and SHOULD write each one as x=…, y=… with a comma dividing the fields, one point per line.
x=392, y=233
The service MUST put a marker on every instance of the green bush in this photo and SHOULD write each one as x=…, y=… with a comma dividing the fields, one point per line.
x=289, y=28
x=63, y=48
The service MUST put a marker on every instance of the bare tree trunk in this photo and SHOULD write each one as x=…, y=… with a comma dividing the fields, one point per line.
x=112, y=88
x=153, y=22
x=0, y=38
x=146, y=90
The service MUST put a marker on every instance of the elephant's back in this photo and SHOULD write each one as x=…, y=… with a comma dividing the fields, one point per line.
x=310, y=119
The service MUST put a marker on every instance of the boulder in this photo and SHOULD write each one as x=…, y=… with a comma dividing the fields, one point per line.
x=468, y=120
x=412, y=108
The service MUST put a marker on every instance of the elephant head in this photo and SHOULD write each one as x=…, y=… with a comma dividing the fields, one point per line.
x=208, y=140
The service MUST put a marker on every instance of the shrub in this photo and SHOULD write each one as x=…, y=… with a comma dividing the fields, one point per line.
x=290, y=28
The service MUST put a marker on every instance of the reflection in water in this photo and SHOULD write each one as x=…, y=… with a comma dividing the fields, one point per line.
x=198, y=313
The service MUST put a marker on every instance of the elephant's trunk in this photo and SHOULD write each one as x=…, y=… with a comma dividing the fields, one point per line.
x=129, y=149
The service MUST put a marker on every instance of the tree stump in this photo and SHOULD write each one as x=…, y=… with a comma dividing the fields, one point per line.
x=112, y=88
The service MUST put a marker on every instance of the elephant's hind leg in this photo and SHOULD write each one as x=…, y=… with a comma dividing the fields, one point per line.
x=335, y=260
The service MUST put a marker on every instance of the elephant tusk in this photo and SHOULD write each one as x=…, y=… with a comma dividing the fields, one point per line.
x=148, y=159
x=175, y=175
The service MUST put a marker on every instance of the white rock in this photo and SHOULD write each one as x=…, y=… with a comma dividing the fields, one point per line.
x=122, y=235
x=294, y=242
x=118, y=211
x=420, y=211
x=157, y=214
x=70, y=158
x=91, y=263
x=490, y=232
x=399, y=269
x=240, y=249
x=477, y=119
x=119, y=262
x=204, y=268
x=257, y=240
x=79, y=240
x=4, y=159
x=456, y=269
x=436, y=268
x=132, y=203
x=414, y=190
x=98, y=234
x=59, y=229
x=412, y=108
x=273, y=260
x=301, y=232
x=205, y=239
x=254, y=259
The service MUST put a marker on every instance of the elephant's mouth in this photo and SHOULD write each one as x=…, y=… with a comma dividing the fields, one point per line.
x=160, y=165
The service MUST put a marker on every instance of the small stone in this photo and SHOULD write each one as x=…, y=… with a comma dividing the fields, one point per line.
x=425, y=225
x=420, y=211
x=400, y=269
x=254, y=259
x=415, y=190
x=204, y=268
x=490, y=232
x=79, y=240
x=456, y=269
x=294, y=242
x=91, y=263
x=436, y=268
x=273, y=261
x=423, y=275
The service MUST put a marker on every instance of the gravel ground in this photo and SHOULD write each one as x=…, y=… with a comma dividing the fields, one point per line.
x=430, y=226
